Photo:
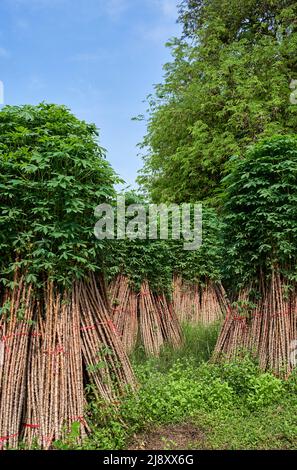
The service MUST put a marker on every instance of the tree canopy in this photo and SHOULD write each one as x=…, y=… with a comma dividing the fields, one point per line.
x=227, y=86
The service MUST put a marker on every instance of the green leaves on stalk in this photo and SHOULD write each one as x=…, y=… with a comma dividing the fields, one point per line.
x=53, y=174
x=261, y=209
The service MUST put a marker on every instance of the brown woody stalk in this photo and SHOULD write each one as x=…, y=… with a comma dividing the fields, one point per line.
x=47, y=342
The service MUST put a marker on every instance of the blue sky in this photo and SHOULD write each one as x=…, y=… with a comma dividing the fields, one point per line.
x=99, y=57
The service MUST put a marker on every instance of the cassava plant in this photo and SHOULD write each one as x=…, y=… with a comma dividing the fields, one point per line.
x=261, y=210
x=140, y=274
x=198, y=293
x=54, y=321
x=53, y=173
x=260, y=239
x=163, y=268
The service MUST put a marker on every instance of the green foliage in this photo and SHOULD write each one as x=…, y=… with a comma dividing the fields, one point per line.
x=198, y=345
x=261, y=210
x=179, y=393
x=158, y=260
x=239, y=18
x=271, y=427
x=52, y=176
x=70, y=440
x=205, y=262
x=225, y=88
x=291, y=383
x=216, y=397
x=266, y=389
x=162, y=398
x=240, y=374
x=141, y=260
x=235, y=404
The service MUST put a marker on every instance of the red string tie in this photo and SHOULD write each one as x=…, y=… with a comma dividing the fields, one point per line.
x=113, y=327
x=88, y=328
x=280, y=314
x=240, y=319
x=36, y=335
x=56, y=351
x=116, y=309
x=144, y=293
x=6, y=438
x=79, y=419
x=7, y=337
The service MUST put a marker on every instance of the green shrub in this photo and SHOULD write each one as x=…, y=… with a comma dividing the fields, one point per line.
x=218, y=395
x=240, y=374
x=180, y=393
x=234, y=403
x=291, y=384
x=266, y=389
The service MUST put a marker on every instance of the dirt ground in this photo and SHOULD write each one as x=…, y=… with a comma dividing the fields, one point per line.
x=171, y=437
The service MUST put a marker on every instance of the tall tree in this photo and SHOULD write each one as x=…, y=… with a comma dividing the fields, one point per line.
x=227, y=86
x=241, y=18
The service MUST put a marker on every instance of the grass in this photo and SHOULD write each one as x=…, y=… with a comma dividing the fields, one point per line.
x=235, y=405
x=198, y=345
x=274, y=427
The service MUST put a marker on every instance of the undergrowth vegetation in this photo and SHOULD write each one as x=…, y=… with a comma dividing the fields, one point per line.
x=198, y=344
x=258, y=409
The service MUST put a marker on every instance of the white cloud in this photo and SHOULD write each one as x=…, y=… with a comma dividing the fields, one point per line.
x=115, y=8
x=4, y=53
x=37, y=3
x=36, y=83
x=22, y=25
x=169, y=8
x=158, y=34
x=86, y=57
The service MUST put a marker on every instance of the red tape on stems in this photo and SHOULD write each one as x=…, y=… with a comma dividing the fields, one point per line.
x=108, y=323
x=113, y=327
x=92, y=327
x=79, y=419
x=116, y=309
x=143, y=293
x=87, y=328
x=21, y=334
x=56, y=351
x=36, y=335
x=47, y=439
x=6, y=438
